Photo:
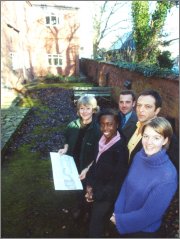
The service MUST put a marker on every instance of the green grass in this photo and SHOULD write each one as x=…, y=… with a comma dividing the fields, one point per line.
x=29, y=102
x=30, y=205
x=67, y=85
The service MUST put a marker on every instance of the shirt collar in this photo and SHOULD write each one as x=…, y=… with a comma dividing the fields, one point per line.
x=128, y=115
x=139, y=127
x=138, y=124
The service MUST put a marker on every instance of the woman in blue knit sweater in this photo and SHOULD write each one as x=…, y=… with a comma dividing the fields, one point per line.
x=149, y=186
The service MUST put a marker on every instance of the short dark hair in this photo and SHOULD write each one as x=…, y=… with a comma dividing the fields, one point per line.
x=155, y=95
x=128, y=92
x=108, y=111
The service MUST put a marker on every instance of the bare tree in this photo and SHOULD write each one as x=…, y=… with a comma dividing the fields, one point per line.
x=102, y=24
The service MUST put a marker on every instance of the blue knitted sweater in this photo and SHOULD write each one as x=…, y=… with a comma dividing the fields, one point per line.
x=146, y=193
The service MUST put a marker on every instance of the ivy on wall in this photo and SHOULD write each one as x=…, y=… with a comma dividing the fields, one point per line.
x=147, y=69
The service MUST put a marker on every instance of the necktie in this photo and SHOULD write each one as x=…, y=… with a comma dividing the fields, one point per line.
x=123, y=120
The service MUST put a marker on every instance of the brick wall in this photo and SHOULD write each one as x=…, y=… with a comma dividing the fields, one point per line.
x=60, y=39
x=11, y=39
x=107, y=74
x=24, y=32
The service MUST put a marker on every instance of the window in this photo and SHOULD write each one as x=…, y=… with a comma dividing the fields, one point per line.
x=52, y=20
x=54, y=60
x=19, y=60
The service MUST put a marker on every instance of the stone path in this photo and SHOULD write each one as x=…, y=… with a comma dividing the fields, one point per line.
x=12, y=117
x=8, y=98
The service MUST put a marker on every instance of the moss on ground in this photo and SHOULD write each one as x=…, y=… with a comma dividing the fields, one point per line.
x=29, y=102
x=31, y=206
x=67, y=85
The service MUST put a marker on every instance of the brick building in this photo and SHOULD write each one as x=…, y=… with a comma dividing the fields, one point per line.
x=38, y=38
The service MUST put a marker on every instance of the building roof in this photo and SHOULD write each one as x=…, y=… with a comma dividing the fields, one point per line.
x=52, y=4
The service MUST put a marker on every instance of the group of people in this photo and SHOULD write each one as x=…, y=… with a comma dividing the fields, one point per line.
x=128, y=163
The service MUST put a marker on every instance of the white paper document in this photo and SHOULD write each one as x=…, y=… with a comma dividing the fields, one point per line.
x=65, y=173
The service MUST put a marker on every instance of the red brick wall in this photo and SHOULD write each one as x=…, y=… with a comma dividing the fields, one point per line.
x=62, y=39
x=167, y=87
x=24, y=30
x=11, y=41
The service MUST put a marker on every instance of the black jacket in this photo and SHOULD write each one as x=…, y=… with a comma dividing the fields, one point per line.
x=130, y=126
x=107, y=175
x=91, y=138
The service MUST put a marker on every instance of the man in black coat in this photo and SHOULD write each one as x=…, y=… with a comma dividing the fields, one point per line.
x=127, y=115
x=148, y=106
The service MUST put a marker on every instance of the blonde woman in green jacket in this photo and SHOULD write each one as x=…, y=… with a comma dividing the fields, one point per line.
x=82, y=136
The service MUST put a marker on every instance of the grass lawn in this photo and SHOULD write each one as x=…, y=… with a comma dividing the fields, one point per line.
x=31, y=208
x=30, y=205
x=66, y=85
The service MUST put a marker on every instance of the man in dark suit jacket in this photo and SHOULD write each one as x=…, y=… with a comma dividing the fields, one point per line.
x=148, y=106
x=127, y=115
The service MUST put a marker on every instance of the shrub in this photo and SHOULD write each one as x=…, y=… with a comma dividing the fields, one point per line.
x=50, y=78
x=164, y=60
x=146, y=69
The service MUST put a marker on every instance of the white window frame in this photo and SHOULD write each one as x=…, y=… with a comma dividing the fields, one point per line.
x=54, y=60
x=54, y=19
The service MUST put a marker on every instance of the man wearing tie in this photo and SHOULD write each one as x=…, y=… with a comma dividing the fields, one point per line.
x=127, y=115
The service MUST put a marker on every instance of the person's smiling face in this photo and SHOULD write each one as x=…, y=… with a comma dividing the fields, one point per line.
x=108, y=126
x=152, y=141
x=86, y=113
x=126, y=103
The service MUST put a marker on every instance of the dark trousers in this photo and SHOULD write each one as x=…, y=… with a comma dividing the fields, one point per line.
x=100, y=215
x=80, y=195
x=141, y=235
x=115, y=234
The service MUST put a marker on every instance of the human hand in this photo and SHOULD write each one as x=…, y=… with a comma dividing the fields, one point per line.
x=113, y=219
x=62, y=151
x=83, y=174
x=89, y=194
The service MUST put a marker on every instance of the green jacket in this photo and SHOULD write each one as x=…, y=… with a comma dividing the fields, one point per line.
x=90, y=140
